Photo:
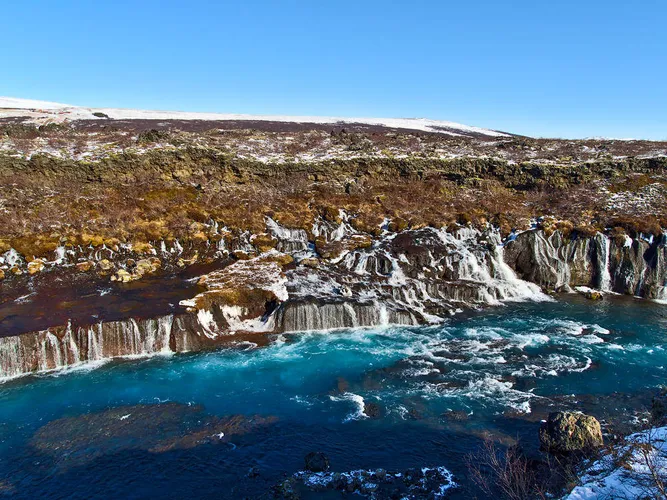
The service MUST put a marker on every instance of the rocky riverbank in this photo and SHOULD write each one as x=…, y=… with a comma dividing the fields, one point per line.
x=284, y=283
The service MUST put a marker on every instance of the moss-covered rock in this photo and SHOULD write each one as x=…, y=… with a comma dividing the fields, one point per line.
x=85, y=266
x=567, y=432
x=36, y=266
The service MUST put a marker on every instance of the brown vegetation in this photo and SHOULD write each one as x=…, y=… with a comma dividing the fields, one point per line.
x=187, y=175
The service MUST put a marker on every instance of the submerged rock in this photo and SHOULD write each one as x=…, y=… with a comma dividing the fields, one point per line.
x=155, y=428
x=455, y=416
x=372, y=410
x=566, y=432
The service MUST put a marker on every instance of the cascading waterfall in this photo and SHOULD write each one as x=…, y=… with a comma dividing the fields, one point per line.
x=547, y=254
x=634, y=267
x=293, y=241
x=453, y=270
x=603, y=249
x=58, y=348
x=506, y=279
x=487, y=267
x=312, y=316
x=417, y=276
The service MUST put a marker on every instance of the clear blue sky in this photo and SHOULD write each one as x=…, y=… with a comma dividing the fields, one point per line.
x=541, y=67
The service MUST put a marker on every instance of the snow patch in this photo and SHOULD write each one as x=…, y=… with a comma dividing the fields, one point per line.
x=42, y=110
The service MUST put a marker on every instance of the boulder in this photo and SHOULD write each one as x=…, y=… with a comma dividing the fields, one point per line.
x=105, y=265
x=372, y=410
x=566, y=432
x=35, y=266
x=147, y=266
x=589, y=293
x=84, y=266
x=317, y=462
x=123, y=276
x=310, y=262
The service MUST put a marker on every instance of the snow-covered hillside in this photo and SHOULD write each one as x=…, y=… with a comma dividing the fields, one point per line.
x=50, y=112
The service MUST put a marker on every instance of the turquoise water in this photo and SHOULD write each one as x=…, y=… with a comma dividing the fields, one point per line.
x=432, y=393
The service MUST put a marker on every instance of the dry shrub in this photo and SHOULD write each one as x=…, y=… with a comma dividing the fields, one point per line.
x=636, y=225
x=509, y=474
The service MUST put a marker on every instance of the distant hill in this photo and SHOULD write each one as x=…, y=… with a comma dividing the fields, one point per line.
x=43, y=112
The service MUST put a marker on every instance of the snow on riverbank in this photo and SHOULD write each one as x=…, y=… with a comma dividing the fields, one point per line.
x=637, y=469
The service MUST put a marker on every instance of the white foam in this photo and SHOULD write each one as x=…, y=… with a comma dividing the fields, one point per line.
x=358, y=402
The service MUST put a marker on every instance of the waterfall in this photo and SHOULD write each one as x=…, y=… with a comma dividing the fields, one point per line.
x=636, y=267
x=63, y=347
x=604, y=276
x=510, y=285
x=292, y=241
x=13, y=357
x=486, y=266
x=331, y=231
x=94, y=343
x=417, y=276
x=60, y=256
x=547, y=253
x=11, y=257
x=310, y=316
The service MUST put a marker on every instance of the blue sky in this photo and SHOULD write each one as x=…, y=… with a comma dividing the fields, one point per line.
x=545, y=68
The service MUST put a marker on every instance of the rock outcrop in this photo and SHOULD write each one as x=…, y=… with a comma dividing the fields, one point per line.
x=567, y=432
x=624, y=265
x=316, y=462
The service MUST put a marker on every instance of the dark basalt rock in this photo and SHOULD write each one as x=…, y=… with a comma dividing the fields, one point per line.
x=416, y=277
x=372, y=410
x=659, y=408
x=455, y=416
x=556, y=262
x=425, y=482
x=317, y=462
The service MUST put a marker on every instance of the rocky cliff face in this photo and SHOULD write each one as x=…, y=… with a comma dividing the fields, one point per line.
x=622, y=264
x=408, y=277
